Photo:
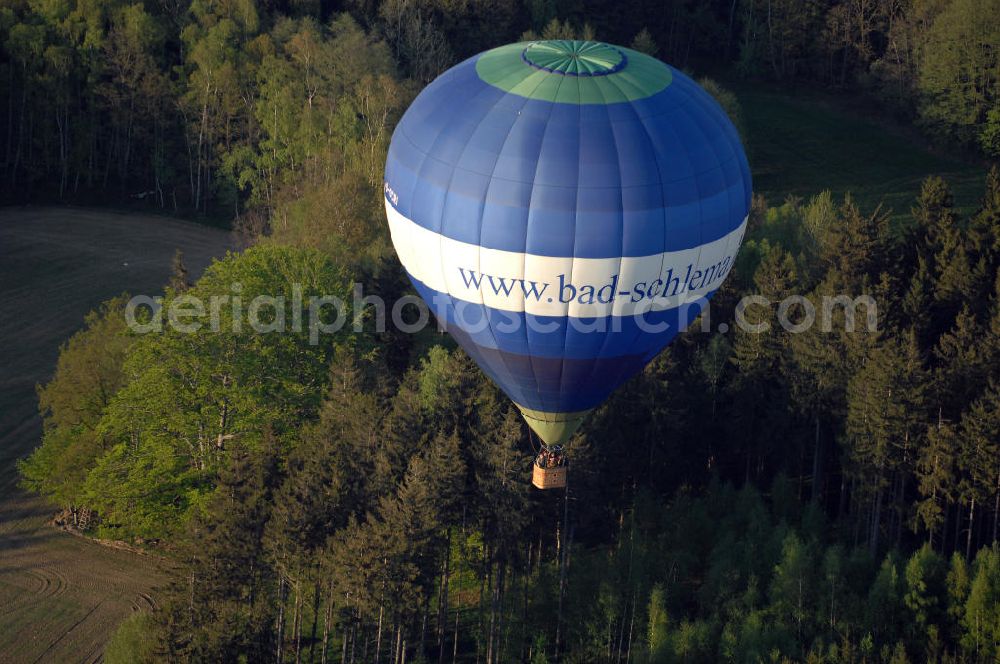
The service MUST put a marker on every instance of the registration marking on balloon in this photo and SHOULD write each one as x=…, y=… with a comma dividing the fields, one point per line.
x=561, y=286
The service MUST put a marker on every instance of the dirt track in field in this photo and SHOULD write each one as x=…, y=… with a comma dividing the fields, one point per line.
x=61, y=596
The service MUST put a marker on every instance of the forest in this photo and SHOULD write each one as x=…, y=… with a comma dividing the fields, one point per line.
x=827, y=496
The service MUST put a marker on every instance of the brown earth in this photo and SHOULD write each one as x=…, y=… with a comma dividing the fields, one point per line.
x=61, y=595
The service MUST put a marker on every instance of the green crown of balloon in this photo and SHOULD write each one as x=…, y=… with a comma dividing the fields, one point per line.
x=573, y=72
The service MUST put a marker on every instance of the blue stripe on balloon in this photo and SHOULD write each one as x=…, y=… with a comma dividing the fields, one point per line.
x=665, y=173
x=552, y=385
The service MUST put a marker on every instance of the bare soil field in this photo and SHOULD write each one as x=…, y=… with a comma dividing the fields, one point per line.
x=61, y=595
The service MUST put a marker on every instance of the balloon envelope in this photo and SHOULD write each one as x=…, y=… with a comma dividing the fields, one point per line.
x=565, y=208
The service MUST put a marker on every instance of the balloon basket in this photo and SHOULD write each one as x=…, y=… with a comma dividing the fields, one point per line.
x=549, y=478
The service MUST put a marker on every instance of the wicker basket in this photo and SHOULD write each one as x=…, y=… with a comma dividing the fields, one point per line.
x=549, y=478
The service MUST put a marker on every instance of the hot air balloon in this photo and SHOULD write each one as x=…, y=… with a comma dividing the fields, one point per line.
x=565, y=208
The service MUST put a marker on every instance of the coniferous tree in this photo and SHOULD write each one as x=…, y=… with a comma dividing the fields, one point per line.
x=222, y=606
x=936, y=478
x=934, y=216
x=965, y=358
x=925, y=598
x=885, y=610
x=979, y=459
x=758, y=353
x=857, y=246
x=883, y=399
x=981, y=624
x=958, y=582
x=792, y=586
x=917, y=303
